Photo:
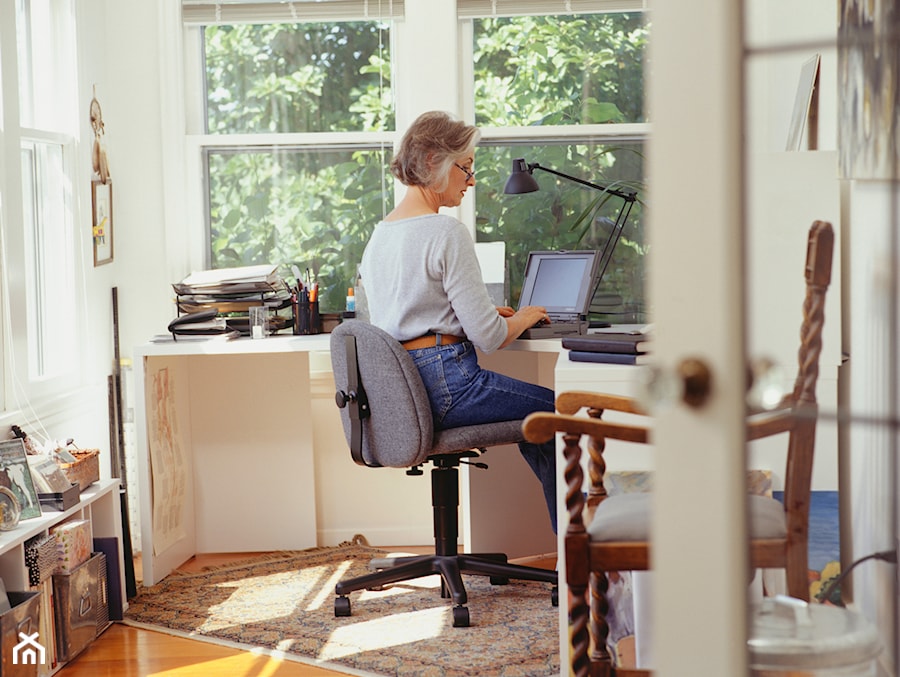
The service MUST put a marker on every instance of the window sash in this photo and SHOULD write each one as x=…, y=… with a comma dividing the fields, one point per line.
x=479, y=9
x=207, y=12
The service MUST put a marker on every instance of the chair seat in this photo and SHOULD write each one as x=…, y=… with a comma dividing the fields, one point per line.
x=476, y=437
x=626, y=518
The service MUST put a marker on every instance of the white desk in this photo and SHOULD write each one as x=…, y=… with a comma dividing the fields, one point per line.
x=225, y=442
x=224, y=447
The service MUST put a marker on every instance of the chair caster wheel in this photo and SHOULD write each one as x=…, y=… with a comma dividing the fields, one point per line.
x=341, y=607
x=499, y=580
x=554, y=595
x=460, y=617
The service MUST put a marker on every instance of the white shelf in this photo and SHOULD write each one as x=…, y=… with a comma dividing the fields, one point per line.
x=26, y=529
x=100, y=504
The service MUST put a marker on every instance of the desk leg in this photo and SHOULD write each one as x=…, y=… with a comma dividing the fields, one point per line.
x=168, y=536
x=503, y=508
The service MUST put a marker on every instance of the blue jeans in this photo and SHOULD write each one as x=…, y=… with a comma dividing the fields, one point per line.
x=462, y=393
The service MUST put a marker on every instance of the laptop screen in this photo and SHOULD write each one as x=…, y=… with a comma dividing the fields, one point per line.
x=562, y=282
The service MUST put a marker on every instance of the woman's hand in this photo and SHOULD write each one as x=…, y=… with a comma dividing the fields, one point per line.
x=505, y=311
x=523, y=319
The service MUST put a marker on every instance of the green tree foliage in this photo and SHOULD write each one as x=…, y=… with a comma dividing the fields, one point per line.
x=550, y=70
x=543, y=70
x=288, y=205
x=298, y=78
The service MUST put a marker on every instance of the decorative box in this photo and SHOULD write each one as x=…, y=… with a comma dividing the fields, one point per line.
x=41, y=558
x=15, y=652
x=61, y=500
x=73, y=544
x=86, y=468
x=78, y=607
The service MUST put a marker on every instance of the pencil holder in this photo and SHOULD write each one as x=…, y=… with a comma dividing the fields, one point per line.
x=301, y=319
x=315, y=320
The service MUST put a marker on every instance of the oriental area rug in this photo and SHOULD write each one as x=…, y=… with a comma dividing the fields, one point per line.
x=283, y=604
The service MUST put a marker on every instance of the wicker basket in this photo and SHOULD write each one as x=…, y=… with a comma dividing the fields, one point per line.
x=86, y=468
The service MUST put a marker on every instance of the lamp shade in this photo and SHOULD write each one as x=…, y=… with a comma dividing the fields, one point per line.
x=521, y=180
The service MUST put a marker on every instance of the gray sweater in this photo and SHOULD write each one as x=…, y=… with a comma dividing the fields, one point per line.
x=421, y=276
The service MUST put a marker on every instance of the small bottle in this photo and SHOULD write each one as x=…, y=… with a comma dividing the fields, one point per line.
x=362, y=306
x=351, y=301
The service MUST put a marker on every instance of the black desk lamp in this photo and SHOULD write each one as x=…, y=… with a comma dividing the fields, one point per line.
x=522, y=181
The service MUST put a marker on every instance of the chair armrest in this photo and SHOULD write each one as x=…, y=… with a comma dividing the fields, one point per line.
x=542, y=426
x=770, y=423
x=572, y=401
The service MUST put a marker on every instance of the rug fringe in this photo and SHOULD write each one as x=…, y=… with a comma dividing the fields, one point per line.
x=358, y=540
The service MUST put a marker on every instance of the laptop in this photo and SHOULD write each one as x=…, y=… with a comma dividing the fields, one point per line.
x=563, y=282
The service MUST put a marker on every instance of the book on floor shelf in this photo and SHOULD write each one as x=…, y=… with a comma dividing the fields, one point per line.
x=608, y=358
x=629, y=343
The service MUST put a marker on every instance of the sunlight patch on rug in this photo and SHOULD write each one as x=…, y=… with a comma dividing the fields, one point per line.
x=383, y=633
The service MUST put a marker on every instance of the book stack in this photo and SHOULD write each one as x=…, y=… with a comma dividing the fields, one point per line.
x=609, y=347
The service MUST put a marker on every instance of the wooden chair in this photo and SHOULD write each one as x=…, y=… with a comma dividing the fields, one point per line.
x=611, y=533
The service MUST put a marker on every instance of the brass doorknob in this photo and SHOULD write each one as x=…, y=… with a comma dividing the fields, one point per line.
x=697, y=379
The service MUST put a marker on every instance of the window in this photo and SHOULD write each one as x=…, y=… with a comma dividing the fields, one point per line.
x=47, y=221
x=566, y=92
x=39, y=234
x=298, y=117
x=295, y=125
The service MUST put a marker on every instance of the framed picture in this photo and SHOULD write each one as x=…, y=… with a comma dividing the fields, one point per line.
x=102, y=221
x=806, y=107
x=15, y=475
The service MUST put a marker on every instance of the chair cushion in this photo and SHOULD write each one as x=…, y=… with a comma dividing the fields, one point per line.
x=474, y=436
x=626, y=517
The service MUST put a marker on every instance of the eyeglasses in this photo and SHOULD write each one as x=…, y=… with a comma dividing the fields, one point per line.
x=470, y=175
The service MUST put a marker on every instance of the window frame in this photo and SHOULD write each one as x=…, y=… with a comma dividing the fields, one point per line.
x=38, y=114
x=408, y=100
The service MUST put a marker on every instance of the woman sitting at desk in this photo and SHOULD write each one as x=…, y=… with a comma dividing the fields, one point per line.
x=424, y=287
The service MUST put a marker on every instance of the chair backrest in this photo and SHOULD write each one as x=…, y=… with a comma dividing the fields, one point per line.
x=399, y=431
x=801, y=446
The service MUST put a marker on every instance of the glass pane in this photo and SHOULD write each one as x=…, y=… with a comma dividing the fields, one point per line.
x=560, y=70
x=565, y=215
x=298, y=78
x=48, y=219
x=312, y=208
x=46, y=60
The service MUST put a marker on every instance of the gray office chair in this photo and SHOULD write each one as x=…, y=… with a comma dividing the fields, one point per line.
x=388, y=423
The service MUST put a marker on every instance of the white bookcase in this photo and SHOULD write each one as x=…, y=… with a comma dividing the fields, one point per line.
x=99, y=504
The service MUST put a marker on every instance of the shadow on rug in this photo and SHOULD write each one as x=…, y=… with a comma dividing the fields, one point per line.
x=285, y=604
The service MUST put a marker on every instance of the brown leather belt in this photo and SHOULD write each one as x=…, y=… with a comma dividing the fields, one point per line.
x=432, y=340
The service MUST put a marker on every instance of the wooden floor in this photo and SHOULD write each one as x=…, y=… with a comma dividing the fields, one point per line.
x=123, y=651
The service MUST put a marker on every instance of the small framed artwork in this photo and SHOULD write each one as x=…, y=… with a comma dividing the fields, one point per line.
x=806, y=107
x=102, y=221
x=15, y=475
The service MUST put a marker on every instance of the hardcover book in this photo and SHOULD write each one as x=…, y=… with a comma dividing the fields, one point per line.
x=608, y=358
x=608, y=342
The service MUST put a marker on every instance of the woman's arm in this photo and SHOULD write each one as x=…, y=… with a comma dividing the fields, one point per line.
x=521, y=320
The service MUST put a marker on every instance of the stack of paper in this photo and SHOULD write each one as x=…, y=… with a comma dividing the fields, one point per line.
x=230, y=280
x=232, y=290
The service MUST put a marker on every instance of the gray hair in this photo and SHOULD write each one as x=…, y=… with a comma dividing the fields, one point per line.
x=430, y=147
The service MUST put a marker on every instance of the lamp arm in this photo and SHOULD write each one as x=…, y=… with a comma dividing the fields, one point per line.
x=629, y=196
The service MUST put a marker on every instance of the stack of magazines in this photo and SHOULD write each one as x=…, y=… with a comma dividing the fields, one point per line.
x=611, y=347
x=232, y=291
